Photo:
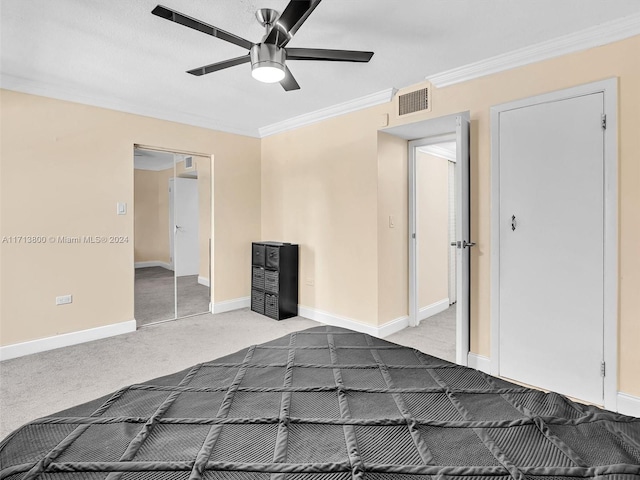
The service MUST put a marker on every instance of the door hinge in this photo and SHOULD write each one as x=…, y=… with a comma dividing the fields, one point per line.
x=604, y=121
x=603, y=369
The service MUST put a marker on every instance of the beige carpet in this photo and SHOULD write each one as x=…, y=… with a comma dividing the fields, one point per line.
x=155, y=295
x=44, y=383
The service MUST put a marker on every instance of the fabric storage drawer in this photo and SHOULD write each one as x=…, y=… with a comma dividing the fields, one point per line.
x=257, y=255
x=271, y=306
x=257, y=278
x=271, y=281
x=272, y=257
x=257, y=301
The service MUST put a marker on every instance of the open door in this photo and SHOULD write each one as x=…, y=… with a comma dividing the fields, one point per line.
x=463, y=239
x=452, y=129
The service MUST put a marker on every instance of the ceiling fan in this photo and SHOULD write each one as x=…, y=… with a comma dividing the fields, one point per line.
x=268, y=57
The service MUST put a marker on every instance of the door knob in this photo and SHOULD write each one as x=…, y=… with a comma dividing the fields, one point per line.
x=466, y=244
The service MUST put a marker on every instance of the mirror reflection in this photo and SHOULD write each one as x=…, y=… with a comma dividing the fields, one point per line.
x=172, y=215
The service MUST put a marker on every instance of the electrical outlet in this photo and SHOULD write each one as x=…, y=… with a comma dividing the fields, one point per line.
x=64, y=299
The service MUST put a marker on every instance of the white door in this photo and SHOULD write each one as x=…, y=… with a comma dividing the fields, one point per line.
x=464, y=243
x=551, y=245
x=186, y=256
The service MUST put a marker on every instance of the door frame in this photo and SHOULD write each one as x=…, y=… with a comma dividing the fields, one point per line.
x=609, y=89
x=428, y=132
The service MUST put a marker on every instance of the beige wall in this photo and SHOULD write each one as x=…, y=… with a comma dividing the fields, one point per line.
x=324, y=195
x=393, y=248
x=432, y=216
x=64, y=167
x=319, y=189
x=203, y=166
x=145, y=209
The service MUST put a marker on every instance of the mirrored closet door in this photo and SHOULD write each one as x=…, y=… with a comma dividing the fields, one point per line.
x=172, y=210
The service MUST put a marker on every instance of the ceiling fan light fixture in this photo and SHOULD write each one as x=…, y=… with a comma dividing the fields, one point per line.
x=267, y=74
x=267, y=63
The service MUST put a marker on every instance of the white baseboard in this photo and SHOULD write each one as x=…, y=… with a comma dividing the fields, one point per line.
x=229, y=305
x=337, y=321
x=65, y=340
x=628, y=404
x=166, y=265
x=433, y=309
x=393, y=326
x=479, y=362
x=203, y=281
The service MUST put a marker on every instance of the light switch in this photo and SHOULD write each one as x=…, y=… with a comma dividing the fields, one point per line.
x=122, y=208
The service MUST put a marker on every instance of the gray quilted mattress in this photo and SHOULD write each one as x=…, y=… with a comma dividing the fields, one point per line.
x=326, y=404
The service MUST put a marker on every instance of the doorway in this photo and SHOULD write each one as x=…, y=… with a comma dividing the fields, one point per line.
x=431, y=294
x=172, y=235
x=554, y=265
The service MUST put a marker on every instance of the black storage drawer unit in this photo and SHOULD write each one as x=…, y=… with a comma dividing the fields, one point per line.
x=257, y=278
x=257, y=301
x=274, y=279
x=257, y=254
x=271, y=283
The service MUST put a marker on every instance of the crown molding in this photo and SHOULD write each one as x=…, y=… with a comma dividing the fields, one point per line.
x=44, y=89
x=596, y=36
x=378, y=98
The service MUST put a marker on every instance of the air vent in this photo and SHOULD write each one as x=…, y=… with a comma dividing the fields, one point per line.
x=416, y=101
x=188, y=162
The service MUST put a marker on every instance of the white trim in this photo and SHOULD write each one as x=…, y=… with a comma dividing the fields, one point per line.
x=433, y=309
x=440, y=152
x=203, y=281
x=609, y=88
x=65, y=340
x=166, y=265
x=628, y=404
x=229, y=305
x=378, y=98
x=433, y=131
x=479, y=362
x=602, y=34
x=51, y=90
x=393, y=326
x=337, y=321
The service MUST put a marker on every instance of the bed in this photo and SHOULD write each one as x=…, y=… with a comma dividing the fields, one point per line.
x=326, y=404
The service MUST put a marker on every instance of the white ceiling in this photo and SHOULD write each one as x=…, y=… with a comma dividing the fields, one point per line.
x=116, y=53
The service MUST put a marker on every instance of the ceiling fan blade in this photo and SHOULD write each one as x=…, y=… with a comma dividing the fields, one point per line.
x=294, y=15
x=329, y=55
x=177, y=17
x=214, y=67
x=289, y=82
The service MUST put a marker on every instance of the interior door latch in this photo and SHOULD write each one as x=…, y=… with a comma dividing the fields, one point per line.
x=463, y=244
x=513, y=223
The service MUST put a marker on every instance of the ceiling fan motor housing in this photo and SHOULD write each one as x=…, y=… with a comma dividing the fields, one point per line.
x=267, y=55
